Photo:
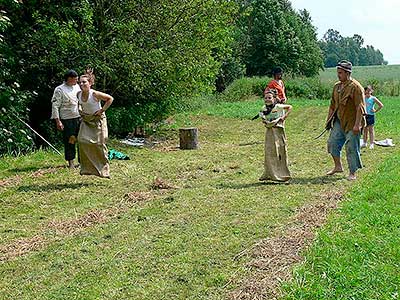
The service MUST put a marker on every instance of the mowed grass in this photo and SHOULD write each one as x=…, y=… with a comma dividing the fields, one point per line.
x=357, y=256
x=64, y=236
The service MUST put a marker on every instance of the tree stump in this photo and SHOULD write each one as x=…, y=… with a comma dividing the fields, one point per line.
x=188, y=139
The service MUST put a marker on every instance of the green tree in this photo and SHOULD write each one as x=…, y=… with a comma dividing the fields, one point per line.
x=336, y=47
x=147, y=54
x=15, y=138
x=277, y=35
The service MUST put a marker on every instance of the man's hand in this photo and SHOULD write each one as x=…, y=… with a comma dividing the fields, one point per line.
x=356, y=129
x=60, y=125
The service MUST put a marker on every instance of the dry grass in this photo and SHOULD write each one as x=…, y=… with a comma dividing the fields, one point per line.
x=21, y=247
x=10, y=181
x=272, y=259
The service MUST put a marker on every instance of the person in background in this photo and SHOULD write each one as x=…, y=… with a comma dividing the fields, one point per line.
x=93, y=133
x=66, y=114
x=346, y=113
x=277, y=84
x=275, y=153
x=370, y=102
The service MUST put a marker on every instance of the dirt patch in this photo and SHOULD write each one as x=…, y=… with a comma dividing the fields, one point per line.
x=71, y=227
x=161, y=184
x=136, y=197
x=42, y=172
x=272, y=259
x=21, y=247
x=15, y=180
x=94, y=217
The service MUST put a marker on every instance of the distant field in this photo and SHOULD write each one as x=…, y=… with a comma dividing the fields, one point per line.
x=384, y=79
x=384, y=73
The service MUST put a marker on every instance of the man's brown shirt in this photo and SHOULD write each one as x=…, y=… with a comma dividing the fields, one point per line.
x=345, y=101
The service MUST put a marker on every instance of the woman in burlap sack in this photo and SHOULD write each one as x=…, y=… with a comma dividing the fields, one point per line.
x=93, y=133
x=275, y=159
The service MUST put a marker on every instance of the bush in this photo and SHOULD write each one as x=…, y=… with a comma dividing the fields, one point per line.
x=123, y=120
x=231, y=69
x=243, y=88
x=310, y=88
x=15, y=137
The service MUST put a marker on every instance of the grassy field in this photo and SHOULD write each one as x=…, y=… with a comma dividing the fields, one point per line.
x=357, y=255
x=364, y=73
x=384, y=79
x=64, y=236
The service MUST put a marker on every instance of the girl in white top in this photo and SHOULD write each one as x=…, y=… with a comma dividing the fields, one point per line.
x=93, y=133
x=89, y=99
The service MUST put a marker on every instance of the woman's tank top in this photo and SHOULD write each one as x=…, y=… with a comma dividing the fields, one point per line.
x=90, y=106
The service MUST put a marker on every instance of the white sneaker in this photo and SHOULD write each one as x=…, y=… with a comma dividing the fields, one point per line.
x=371, y=146
x=364, y=145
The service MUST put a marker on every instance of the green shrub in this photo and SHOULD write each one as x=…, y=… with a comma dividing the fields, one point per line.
x=15, y=137
x=243, y=88
x=309, y=88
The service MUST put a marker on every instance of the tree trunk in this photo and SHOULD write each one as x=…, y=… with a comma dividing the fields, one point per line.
x=188, y=139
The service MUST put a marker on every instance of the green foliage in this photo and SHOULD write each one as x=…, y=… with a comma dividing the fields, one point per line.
x=277, y=35
x=336, y=47
x=145, y=54
x=298, y=87
x=40, y=44
x=15, y=138
x=232, y=68
x=309, y=88
x=243, y=88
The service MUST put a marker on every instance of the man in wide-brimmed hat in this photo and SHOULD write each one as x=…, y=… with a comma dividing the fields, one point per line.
x=345, y=118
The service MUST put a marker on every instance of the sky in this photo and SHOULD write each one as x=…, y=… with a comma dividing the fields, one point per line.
x=378, y=22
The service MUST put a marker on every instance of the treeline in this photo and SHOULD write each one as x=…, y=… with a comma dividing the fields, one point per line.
x=335, y=47
x=150, y=55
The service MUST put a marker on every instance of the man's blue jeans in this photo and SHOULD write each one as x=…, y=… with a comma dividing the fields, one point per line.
x=338, y=138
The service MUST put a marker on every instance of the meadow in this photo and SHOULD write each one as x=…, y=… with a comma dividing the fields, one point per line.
x=174, y=224
x=384, y=79
x=363, y=73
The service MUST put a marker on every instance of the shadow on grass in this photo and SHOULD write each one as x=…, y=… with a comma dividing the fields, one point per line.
x=316, y=180
x=247, y=185
x=293, y=181
x=34, y=169
x=51, y=187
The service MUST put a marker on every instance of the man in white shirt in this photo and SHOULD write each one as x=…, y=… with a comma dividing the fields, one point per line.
x=65, y=112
